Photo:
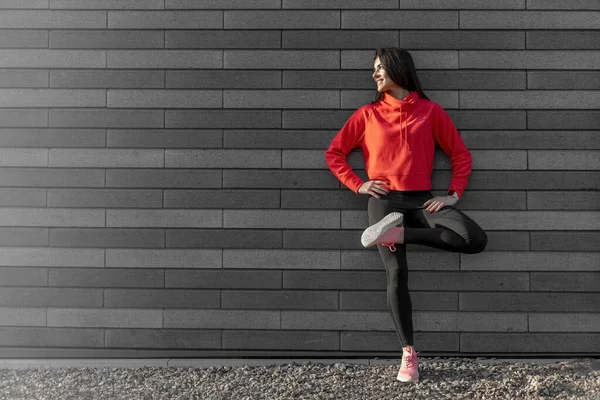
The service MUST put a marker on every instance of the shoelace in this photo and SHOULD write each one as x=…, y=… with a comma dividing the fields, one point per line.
x=391, y=246
x=408, y=359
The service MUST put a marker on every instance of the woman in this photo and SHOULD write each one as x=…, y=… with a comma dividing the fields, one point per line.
x=397, y=134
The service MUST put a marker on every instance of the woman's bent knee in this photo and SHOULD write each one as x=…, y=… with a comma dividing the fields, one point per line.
x=477, y=243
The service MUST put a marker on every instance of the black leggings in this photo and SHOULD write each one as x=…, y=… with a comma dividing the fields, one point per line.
x=448, y=229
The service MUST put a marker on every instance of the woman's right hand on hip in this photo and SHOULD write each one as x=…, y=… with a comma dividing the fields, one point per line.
x=374, y=188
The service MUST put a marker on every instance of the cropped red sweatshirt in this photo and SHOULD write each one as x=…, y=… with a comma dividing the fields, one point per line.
x=397, y=138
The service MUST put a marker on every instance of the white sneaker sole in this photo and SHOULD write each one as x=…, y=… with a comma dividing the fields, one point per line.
x=407, y=379
x=374, y=232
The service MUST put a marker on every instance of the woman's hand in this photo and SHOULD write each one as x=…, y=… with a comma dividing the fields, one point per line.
x=374, y=187
x=436, y=204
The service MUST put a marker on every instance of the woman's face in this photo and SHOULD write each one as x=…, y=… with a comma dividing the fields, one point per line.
x=382, y=79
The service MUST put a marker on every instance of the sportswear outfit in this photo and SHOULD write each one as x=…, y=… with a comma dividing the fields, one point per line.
x=398, y=138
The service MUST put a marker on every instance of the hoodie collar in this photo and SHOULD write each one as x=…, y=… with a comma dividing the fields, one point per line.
x=391, y=101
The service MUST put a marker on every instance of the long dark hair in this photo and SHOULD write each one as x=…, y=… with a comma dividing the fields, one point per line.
x=399, y=65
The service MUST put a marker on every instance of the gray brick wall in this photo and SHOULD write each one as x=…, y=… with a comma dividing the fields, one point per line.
x=163, y=189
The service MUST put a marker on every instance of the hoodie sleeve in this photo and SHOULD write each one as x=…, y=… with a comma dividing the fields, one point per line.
x=446, y=135
x=348, y=138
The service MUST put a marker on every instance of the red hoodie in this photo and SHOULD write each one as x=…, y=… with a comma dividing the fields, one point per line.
x=397, y=138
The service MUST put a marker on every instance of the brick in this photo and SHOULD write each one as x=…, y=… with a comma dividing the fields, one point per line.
x=48, y=257
x=277, y=179
x=529, y=342
x=529, y=59
x=277, y=139
x=281, y=19
x=51, y=98
x=467, y=119
x=108, y=198
x=371, y=260
x=536, y=220
x=23, y=197
x=561, y=160
x=222, y=79
x=528, y=20
x=164, y=59
x=163, y=339
x=163, y=178
x=508, y=241
x=563, y=119
x=106, y=118
x=66, y=352
x=106, y=158
x=164, y=218
x=389, y=341
x=161, y=298
x=556, y=200
x=163, y=258
x=51, y=337
x=238, y=39
x=50, y=297
x=356, y=98
x=310, y=239
x=339, y=4
x=107, y=4
x=362, y=300
x=528, y=99
x=23, y=316
x=222, y=4
x=492, y=322
x=564, y=281
x=337, y=320
x=565, y=322
x=563, y=79
x=42, y=58
x=19, y=276
x=425, y=59
x=221, y=319
x=280, y=299
x=281, y=99
x=165, y=19
x=106, y=79
x=164, y=98
x=334, y=280
x=565, y=241
x=15, y=118
x=224, y=238
x=223, y=279
x=223, y=198
x=328, y=39
x=51, y=217
x=280, y=59
x=480, y=80
x=491, y=200
x=530, y=180
x=104, y=318
x=467, y=40
x=530, y=261
x=21, y=38
x=462, y=4
x=23, y=137
x=23, y=157
x=23, y=78
x=367, y=19
x=327, y=80
x=211, y=119
x=281, y=259
x=24, y=237
x=45, y=177
x=568, y=40
x=314, y=119
x=21, y=4
x=322, y=199
x=281, y=219
x=163, y=138
x=140, y=238
x=121, y=39
x=53, y=19
x=530, y=140
x=222, y=158
x=102, y=277
x=561, y=5
x=529, y=302
x=281, y=340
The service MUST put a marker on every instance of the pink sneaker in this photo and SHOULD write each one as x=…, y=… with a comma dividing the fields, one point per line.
x=409, y=369
x=385, y=232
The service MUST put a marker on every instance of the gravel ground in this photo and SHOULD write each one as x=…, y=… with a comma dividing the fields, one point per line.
x=441, y=378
